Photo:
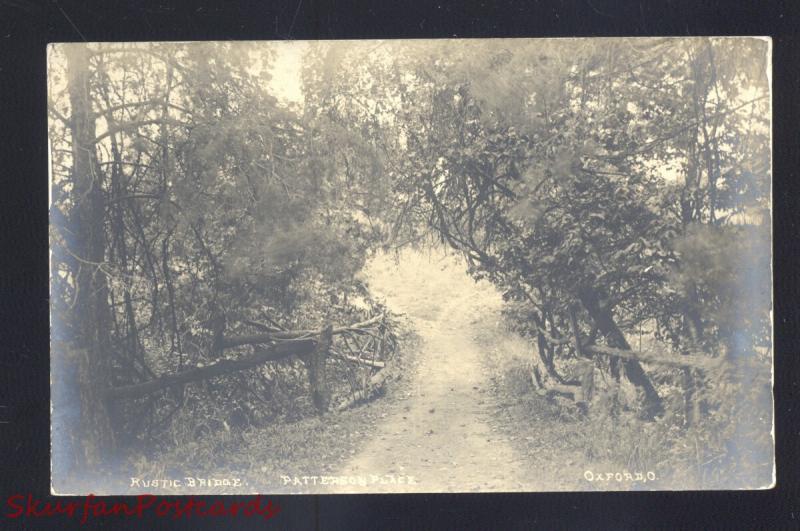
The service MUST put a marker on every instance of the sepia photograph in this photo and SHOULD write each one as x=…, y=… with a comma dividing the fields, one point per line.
x=411, y=266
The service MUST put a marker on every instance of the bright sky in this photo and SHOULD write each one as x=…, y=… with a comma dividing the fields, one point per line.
x=285, y=82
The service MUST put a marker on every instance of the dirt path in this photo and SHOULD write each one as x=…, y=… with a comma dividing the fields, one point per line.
x=441, y=433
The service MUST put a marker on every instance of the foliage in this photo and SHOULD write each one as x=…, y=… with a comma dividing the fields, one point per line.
x=610, y=188
x=219, y=209
x=620, y=185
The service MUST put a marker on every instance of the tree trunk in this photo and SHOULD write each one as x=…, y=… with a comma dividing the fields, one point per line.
x=90, y=315
x=605, y=323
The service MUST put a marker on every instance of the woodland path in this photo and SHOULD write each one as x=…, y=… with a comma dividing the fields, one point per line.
x=441, y=431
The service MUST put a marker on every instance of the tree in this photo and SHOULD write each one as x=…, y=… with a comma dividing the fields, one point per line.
x=569, y=173
x=91, y=312
x=190, y=210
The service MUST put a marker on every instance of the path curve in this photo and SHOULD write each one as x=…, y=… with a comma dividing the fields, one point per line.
x=441, y=432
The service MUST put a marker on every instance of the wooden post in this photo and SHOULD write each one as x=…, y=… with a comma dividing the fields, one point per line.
x=586, y=376
x=316, y=370
x=576, y=337
x=585, y=366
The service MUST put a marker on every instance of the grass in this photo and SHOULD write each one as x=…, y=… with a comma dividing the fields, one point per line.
x=561, y=443
x=260, y=456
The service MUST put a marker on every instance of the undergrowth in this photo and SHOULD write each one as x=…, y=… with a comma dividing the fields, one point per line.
x=291, y=446
x=729, y=447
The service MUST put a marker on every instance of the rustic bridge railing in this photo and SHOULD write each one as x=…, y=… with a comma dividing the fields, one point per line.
x=313, y=347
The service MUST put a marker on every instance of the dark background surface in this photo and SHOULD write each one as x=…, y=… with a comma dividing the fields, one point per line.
x=25, y=29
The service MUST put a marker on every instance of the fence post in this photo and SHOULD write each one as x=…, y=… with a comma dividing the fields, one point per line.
x=585, y=365
x=317, y=376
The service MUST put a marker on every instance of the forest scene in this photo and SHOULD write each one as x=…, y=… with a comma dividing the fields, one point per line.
x=411, y=266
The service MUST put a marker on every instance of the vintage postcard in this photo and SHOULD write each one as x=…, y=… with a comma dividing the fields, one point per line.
x=490, y=265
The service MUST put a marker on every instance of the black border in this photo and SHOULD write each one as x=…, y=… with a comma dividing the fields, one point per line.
x=25, y=29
